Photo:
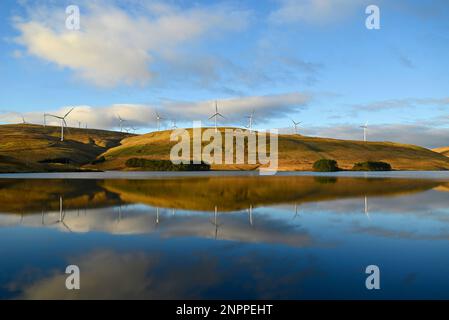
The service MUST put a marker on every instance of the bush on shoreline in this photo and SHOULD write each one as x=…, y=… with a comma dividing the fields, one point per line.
x=372, y=166
x=164, y=165
x=325, y=165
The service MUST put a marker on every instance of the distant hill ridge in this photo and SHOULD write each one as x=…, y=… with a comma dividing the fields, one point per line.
x=296, y=152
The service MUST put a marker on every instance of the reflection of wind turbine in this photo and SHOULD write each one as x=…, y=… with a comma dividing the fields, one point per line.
x=366, y=207
x=63, y=122
x=157, y=216
x=295, y=125
x=216, y=114
x=296, y=211
x=62, y=214
x=365, y=127
x=215, y=222
x=250, y=213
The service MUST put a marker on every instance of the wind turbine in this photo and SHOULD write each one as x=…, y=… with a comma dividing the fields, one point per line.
x=158, y=121
x=23, y=119
x=121, y=122
x=365, y=127
x=250, y=120
x=217, y=114
x=295, y=125
x=63, y=122
x=174, y=125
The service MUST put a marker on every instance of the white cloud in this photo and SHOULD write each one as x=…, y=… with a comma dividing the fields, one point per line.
x=116, y=46
x=422, y=135
x=143, y=116
x=314, y=11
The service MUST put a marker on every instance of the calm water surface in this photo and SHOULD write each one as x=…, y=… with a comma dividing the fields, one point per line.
x=292, y=236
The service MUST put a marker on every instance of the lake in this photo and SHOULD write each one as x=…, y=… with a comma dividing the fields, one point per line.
x=224, y=235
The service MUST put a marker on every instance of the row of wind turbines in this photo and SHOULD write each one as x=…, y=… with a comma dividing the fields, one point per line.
x=159, y=119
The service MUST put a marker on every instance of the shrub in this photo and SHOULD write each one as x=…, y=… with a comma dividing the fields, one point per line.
x=372, y=166
x=325, y=165
x=165, y=165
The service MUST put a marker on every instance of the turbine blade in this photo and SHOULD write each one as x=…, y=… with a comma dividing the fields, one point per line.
x=69, y=112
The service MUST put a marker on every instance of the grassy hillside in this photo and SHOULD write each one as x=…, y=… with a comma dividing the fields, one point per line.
x=444, y=151
x=27, y=147
x=296, y=152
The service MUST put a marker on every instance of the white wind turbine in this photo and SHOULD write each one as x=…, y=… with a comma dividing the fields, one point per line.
x=158, y=121
x=365, y=128
x=121, y=120
x=217, y=114
x=174, y=126
x=296, y=125
x=63, y=122
x=250, y=121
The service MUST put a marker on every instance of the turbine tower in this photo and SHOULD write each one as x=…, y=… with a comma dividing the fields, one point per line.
x=217, y=114
x=174, y=126
x=295, y=125
x=158, y=121
x=250, y=121
x=365, y=127
x=121, y=122
x=63, y=122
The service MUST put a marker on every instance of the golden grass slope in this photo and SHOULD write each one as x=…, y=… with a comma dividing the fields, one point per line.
x=23, y=147
x=296, y=152
x=443, y=150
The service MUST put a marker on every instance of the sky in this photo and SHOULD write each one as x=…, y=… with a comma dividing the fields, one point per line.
x=313, y=61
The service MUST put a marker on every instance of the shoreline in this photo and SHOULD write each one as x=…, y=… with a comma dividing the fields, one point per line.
x=141, y=175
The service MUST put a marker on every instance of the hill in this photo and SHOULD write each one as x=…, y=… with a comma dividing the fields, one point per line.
x=27, y=147
x=443, y=150
x=296, y=152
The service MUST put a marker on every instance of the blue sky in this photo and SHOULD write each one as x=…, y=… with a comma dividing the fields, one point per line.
x=312, y=60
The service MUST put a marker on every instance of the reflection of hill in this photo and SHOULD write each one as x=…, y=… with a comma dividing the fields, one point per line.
x=33, y=196
x=201, y=193
x=443, y=187
x=236, y=193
